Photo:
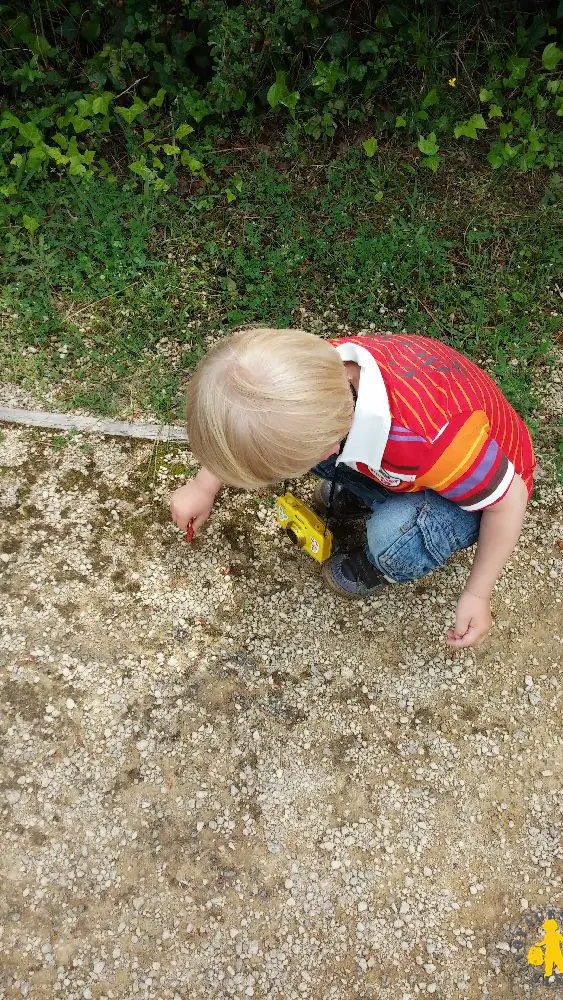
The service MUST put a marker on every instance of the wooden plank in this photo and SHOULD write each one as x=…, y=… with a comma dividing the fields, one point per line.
x=92, y=425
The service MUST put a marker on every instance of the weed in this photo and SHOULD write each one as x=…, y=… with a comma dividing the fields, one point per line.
x=119, y=320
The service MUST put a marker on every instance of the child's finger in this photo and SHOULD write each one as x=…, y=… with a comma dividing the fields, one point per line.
x=472, y=636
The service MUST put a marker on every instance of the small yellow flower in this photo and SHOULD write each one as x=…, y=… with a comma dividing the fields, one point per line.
x=452, y=81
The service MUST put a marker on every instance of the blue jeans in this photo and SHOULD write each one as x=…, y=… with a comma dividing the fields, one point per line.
x=408, y=534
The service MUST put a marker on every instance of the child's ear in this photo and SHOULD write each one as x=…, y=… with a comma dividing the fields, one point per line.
x=335, y=450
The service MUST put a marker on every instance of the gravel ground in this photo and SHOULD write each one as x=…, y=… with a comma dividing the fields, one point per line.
x=219, y=781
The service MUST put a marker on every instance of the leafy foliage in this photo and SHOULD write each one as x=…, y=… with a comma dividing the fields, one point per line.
x=145, y=88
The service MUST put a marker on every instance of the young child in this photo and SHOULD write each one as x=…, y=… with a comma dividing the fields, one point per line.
x=423, y=444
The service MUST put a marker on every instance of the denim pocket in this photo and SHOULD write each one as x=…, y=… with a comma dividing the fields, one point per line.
x=419, y=550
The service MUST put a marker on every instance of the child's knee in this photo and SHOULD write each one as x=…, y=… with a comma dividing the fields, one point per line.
x=405, y=543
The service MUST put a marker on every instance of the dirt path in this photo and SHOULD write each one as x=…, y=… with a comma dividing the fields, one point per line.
x=218, y=781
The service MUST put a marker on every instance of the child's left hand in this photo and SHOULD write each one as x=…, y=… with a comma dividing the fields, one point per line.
x=472, y=621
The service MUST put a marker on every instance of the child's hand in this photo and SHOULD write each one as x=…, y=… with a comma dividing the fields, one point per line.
x=192, y=502
x=473, y=620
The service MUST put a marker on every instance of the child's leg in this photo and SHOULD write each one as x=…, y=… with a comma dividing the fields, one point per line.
x=408, y=536
x=411, y=534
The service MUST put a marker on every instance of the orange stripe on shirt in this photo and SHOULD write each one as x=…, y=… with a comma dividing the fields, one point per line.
x=458, y=456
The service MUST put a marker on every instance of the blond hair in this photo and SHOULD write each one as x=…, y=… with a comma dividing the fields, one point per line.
x=266, y=405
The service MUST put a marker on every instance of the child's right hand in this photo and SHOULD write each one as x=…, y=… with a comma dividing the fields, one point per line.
x=194, y=501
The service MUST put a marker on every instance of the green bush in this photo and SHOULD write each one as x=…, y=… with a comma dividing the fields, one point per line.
x=145, y=89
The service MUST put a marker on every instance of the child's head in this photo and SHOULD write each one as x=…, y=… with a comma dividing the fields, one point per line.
x=266, y=405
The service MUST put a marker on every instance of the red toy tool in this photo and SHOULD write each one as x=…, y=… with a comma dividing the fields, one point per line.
x=190, y=531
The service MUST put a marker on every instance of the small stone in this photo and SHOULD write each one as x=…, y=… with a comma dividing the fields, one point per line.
x=362, y=906
x=529, y=681
x=70, y=704
x=431, y=988
x=404, y=907
x=523, y=904
x=503, y=946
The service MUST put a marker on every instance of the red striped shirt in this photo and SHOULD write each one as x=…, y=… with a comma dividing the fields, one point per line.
x=452, y=429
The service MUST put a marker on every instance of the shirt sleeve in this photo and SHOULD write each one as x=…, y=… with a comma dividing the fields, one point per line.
x=467, y=465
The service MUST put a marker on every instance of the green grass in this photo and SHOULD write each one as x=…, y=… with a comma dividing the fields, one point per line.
x=113, y=297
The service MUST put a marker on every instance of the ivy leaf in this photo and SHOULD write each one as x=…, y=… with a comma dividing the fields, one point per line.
x=431, y=162
x=428, y=145
x=231, y=196
x=534, y=139
x=522, y=116
x=290, y=101
x=383, y=20
x=495, y=111
x=171, y=150
x=194, y=166
x=80, y=124
x=517, y=66
x=8, y=120
x=485, y=95
x=551, y=56
x=90, y=29
x=370, y=146
x=56, y=155
x=400, y=122
x=31, y=224
x=495, y=156
x=183, y=130
x=129, y=114
x=430, y=99
x=469, y=128
x=30, y=133
x=277, y=91
x=38, y=45
x=140, y=168
x=158, y=100
x=101, y=103
x=339, y=43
